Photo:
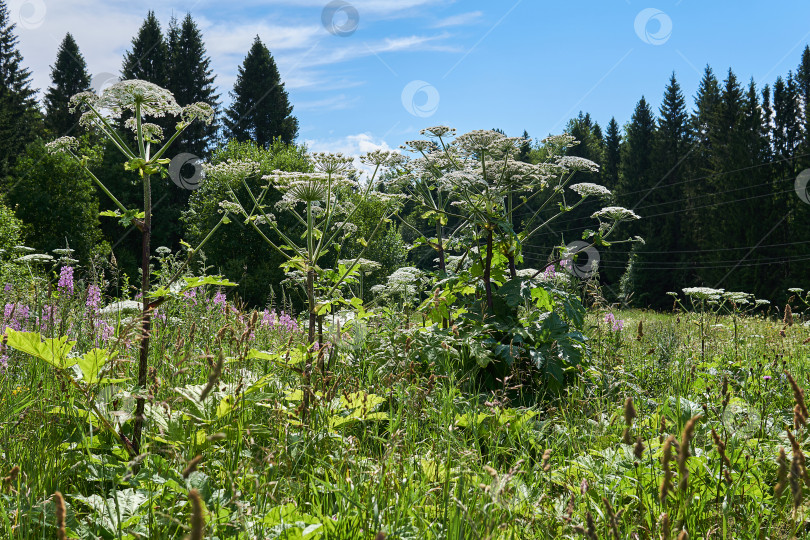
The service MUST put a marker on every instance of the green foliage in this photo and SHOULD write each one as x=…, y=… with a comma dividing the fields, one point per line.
x=235, y=251
x=57, y=201
x=191, y=80
x=20, y=119
x=69, y=76
x=261, y=110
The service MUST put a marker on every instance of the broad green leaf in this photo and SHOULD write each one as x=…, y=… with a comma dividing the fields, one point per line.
x=53, y=351
x=91, y=363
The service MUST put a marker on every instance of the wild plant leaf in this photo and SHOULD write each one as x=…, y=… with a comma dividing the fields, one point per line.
x=54, y=351
x=91, y=363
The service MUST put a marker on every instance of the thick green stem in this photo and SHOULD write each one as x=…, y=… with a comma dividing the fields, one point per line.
x=146, y=320
x=488, y=270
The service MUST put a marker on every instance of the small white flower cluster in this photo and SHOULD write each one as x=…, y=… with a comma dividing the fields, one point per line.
x=703, y=293
x=198, y=111
x=383, y=158
x=586, y=189
x=615, y=213
x=575, y=163
x=232, y=207
x=404, y=281
x=739, y=298
x=477, y=141
x=305, y=187
x=152, y=99
x=62, y=144
x=232, y=170
x=558, y=143
x=151, y=132
x=421, y=145
x=329, y=163
x=438, y=131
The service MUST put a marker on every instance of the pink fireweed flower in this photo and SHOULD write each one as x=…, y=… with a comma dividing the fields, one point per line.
x=7, y=288
x=616, y=324
x=93, y=297
x=65, y=284
x=191, y=296
x=220, y=299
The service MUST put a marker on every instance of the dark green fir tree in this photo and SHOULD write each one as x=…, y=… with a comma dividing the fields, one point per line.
x=69, y=76
x=261, y=109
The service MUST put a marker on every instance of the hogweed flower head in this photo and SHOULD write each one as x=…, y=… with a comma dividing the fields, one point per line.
x=62, y=144
x=592, y=190
x=151, y=99
x=576, y=163
x=615, y=214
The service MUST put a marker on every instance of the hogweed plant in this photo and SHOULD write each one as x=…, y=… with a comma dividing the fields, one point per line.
x=477, y=180
x=132, y=103
x=321, y=204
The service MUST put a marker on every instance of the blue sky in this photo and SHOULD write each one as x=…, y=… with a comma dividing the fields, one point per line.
x=470, y=64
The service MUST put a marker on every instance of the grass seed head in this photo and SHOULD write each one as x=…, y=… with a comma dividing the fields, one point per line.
x=629, y=412
x=546, y=458
x=638, y=449
x=683, y=454
x=192, y=466
x=798, y=395
x=59, y=502
x=782, y=473
x=665, y=526
x=197, y=518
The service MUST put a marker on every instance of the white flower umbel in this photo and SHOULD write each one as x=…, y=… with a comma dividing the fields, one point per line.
x=703, y=293
x=62, y=144
x=592, y=190
x=575, y=163
x=615, y=214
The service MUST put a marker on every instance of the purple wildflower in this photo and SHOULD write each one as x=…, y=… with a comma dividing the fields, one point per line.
x=93, y=297
x=4, y=362
x=220, y=299
x=65, y=284
x=7, y=288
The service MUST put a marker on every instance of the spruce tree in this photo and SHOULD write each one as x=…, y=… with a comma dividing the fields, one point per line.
x=20, y=120
x=260, y=110
x=663, y=202
x=69, y=76
x=149, y=57
x=636, y=182
x=525, y=153
x=191, y=80
x=612, y=160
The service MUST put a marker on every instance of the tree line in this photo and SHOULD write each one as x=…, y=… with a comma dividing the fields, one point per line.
x=715, y=185
x=714, y=182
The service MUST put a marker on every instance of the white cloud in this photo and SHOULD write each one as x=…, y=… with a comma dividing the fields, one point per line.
x=334, y=103
x=351, y=145
x=459, y=20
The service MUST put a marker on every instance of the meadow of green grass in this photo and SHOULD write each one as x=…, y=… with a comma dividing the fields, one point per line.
x=394, y=438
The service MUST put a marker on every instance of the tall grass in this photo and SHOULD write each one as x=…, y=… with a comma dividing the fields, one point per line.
x=675, y=428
